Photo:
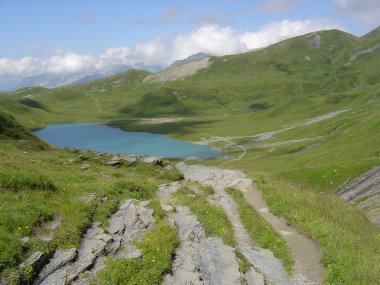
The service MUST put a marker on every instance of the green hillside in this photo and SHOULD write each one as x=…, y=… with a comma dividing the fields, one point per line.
x=41, y=186
x=285, y=88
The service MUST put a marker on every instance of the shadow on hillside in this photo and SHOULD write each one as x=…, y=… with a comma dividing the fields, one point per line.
x=160, y=103
x=180, y=128
x=32, y=104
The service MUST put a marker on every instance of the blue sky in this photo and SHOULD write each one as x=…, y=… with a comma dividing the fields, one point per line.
x=47, y=36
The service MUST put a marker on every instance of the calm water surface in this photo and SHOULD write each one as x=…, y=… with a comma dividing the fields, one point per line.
x=103, y=138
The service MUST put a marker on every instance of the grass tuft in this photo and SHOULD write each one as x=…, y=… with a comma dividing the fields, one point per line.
x=137, y=190
x=22, y=181
x=213, y=218
x=261, y=231
x=157, y=250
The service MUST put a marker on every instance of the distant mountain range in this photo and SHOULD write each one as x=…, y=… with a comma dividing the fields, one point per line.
x=49, y=80
x=55, y=80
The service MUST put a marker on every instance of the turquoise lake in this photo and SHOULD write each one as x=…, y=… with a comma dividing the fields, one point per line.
x=103, y=138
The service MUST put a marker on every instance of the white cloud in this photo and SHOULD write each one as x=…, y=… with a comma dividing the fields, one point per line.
x=367, y=11
x=275, y=32
x=213, y=39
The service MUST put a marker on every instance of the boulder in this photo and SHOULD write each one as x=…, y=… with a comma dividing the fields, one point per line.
x=130, y=159
x=152, y=160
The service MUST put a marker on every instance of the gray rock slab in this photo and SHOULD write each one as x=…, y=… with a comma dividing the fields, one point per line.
x=364, y=193
x=61, y=257
x=216, y=262
x=34, y=260
x=128, y=224
x=198, y=259
x=219, y=179
x=366, y=185
x=254, y=278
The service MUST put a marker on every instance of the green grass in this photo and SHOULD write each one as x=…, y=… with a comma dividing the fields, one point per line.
x=157, y=250
x=346, y=237
x=260, y=231
x=238, y=95
x=244, y=264
x=30, y=197
x=213, y=218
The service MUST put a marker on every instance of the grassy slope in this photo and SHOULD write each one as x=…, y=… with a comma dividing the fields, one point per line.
x=38, y=183
x=258, y=92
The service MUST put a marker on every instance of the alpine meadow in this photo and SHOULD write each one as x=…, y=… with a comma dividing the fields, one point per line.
x=293, y=196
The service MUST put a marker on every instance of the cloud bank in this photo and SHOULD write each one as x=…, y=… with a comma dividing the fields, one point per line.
x=212, y=39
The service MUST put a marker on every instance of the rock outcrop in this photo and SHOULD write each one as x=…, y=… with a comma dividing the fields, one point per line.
x=179, y=71
x=128, y=224
x=198, y=259
x=364, y=192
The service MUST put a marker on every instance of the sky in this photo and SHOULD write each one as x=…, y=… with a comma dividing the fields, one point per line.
x=60, y=37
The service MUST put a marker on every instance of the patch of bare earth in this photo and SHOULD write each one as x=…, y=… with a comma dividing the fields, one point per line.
x=179, y=71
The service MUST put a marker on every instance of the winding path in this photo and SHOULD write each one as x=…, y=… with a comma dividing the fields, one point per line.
x=198, y=259
x=306, y=253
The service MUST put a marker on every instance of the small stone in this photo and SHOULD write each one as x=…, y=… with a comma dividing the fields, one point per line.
x=114, y=163
x=24, y=241
x=68, y=162
x=130, y=159
x=85, y=167
x=152, y=160
x=115, y=158
x=82, y=157
x=167, y=208
x=90, y=197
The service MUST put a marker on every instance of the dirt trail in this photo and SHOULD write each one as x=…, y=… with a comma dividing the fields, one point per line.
x=262, y=137
x=198, y=259
x=97, y=104
x=308, y=268
x=305, y=251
